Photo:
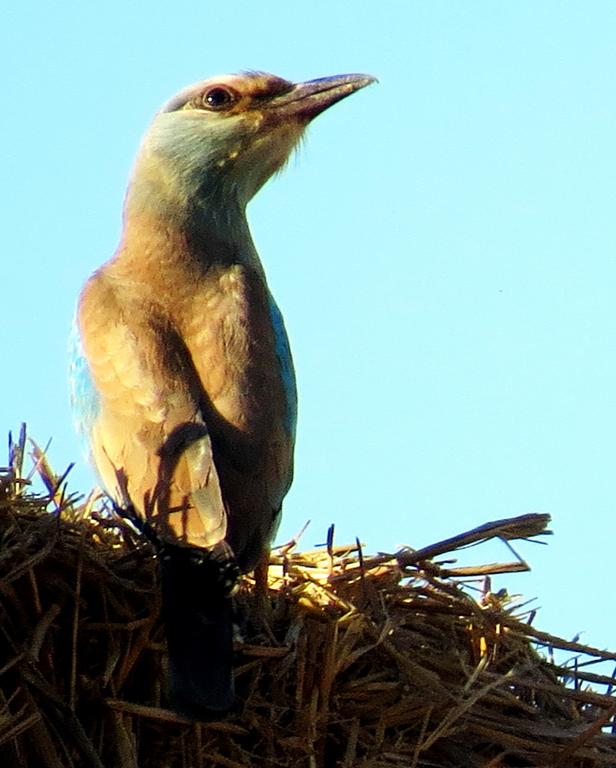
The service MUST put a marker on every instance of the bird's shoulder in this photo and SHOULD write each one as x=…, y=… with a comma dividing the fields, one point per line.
x=136, y=359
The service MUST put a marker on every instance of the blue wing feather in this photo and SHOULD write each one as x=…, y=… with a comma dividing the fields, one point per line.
x=85, y=402
x=283, y=353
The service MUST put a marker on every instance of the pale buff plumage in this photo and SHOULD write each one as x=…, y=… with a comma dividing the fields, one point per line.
x=187, y=393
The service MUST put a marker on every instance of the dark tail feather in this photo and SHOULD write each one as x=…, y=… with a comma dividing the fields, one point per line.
x=197, y=611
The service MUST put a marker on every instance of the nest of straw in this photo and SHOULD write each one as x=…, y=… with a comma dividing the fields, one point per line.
x=353, y=660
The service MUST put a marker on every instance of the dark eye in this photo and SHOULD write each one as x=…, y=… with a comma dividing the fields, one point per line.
x=219, y=97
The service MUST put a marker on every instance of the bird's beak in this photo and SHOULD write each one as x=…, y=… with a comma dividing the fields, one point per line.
x=306, y=100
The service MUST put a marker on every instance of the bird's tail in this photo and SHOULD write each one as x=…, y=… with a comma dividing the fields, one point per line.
x=197, y=611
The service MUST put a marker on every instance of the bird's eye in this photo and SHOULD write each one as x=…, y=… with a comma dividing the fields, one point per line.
x=219, y=97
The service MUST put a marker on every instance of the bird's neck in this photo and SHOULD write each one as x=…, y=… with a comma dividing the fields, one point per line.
x=195, y=223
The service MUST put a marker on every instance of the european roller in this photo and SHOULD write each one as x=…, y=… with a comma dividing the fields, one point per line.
x=182, y=378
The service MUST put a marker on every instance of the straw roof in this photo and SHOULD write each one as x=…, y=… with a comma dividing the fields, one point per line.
x=352, y=660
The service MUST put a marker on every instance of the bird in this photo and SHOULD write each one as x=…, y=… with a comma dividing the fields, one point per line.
x=182, y=380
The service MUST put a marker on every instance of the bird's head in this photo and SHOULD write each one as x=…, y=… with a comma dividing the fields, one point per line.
x=222, y=139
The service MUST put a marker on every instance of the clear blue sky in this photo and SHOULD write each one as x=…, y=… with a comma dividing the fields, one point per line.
x=443, y=249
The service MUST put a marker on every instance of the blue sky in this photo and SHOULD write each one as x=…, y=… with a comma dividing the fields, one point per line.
x=443, y=249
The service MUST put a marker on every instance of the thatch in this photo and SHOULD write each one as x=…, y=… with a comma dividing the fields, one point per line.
x=355, y=660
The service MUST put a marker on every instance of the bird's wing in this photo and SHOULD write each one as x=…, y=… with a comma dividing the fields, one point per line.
x=235, y=335
x=137, y=397
x=285, y=367
x=85, y=402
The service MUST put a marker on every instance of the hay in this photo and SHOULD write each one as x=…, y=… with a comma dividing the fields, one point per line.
x=383, y=661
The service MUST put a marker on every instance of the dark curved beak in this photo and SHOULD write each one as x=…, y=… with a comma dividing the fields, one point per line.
x=307, y=100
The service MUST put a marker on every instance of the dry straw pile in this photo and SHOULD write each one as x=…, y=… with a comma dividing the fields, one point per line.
x=387, y=661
